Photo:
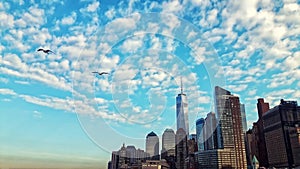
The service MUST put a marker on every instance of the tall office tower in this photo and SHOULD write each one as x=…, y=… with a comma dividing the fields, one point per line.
x=230, y=125
x=182, y=111
x=181, y=148
x=282, y=134
x=239, y=135
x=225, y=131
x=152, y=146
x=210, y=132
x=200, y=134
x=244, y=120
x=262, y=155
x=168, y=144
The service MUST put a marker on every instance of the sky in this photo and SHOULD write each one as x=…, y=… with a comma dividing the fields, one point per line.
x=56, y=113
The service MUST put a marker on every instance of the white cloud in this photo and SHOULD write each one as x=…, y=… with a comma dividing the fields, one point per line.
x=293, y=62
x=110, y=14
x=252, y=92
x=237, y=88
x=69, y=20
x=132, y=45
x=35, y=16
x=171, y=6
x=93, y=7
x=22, y=82
x=121, y=25
x=6, y=20
x=5, y=91
x=21, y=69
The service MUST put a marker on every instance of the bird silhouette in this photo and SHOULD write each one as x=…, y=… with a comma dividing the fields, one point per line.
x=101, y=73
x=45, y=51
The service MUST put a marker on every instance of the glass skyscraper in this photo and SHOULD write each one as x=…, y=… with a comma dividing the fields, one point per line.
x=168, y=143
x=152, y=146
x=230, y=133
x=210, y=132
x=182, y=112
x=200, y=134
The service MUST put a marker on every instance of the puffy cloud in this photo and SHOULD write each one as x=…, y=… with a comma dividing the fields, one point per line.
x=6, y=20
x=93, y=7
x=69, y=20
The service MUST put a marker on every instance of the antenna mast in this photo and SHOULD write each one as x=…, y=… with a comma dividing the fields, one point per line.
x=181, y=85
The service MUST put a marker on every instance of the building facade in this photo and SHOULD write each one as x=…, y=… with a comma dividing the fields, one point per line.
x=230, y=133
x=155, y=164
x=210, y=132
x=181, y=148
x=182, y=112
x=152, y=146
x=244, y=119
x=168, y=144
x=282, y=135
x=127, y=157
x=216, y=159
x=200, y=133
x=262, y=156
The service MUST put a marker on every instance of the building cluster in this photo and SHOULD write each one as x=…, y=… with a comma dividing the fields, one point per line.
x=222, y=139
x=274, y=140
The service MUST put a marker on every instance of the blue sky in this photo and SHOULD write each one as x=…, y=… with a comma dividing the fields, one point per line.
x=56, y=113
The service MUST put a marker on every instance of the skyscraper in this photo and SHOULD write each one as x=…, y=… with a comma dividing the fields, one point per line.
x=182, y=111
x=225, y=131
x=238, y=134
x=168, y=144
x=152, y=146
x=200, y=134
x=282, y=134
x=244, y=120
x=210, y=132
x=230, y=129
x=262, y=155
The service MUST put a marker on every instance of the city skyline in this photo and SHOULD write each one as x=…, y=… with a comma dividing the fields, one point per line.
x=217, y=147
x=55, y=111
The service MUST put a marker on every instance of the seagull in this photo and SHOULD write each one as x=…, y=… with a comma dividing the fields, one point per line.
x=101, y=73
x=46, y=51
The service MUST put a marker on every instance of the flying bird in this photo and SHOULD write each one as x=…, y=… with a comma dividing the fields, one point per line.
x=45, y=51
x=101, y=73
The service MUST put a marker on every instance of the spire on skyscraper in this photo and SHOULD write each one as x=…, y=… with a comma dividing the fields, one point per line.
x=182, y=110
x=181, y=86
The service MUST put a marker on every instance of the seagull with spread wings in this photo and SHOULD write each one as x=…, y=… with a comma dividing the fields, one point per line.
x=47, y=51
x=101, y=73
